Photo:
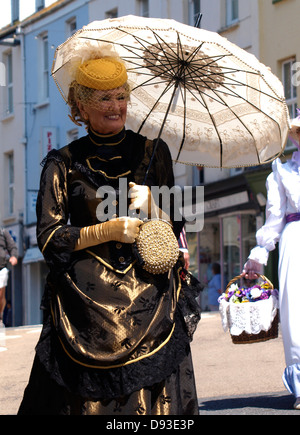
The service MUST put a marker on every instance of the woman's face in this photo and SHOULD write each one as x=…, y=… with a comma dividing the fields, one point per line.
x=106, y=110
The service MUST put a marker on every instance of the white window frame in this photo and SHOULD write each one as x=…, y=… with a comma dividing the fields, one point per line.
x=43, y=68
x=143, y=8
x=231, y=17
x=290, y=91
x=8, y=108
x=10, y=176
x=71, y=26
x=113, y=13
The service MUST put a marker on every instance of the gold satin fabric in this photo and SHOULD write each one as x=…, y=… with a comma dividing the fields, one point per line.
x=107, y=311
x=121, y=323
x=176, y=395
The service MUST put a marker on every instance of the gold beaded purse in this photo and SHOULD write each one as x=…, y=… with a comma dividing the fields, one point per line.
x=157, y=246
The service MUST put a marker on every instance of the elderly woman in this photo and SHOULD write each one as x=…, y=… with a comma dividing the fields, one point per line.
x=113, y=338
x=283, y=224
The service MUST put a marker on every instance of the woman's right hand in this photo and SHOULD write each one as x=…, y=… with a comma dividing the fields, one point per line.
x=122, y=229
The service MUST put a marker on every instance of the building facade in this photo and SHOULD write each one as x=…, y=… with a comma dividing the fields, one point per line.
x=12, y=155
x=47, y=127
x=34, y=121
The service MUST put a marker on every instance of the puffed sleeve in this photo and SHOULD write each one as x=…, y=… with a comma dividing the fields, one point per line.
x=56, y=238
x=269, y=234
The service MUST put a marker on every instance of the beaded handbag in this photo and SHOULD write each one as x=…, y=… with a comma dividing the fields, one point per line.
x=156, y=246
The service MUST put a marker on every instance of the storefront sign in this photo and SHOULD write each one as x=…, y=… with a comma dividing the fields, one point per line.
x=226, y=202
x=49, y=139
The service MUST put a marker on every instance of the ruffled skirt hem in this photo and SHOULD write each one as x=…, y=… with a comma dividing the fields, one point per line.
x=176, y=395
x=291, y=379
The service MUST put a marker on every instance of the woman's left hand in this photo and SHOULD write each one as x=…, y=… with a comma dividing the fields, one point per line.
x=141, y=199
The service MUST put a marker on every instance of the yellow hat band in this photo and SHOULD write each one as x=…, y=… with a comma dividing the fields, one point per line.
x=102, y=74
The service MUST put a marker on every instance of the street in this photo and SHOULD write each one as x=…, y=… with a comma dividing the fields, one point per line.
x=242, y=379
x=231, y=379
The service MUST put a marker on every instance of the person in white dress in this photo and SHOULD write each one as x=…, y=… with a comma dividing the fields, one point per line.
x=283, y=225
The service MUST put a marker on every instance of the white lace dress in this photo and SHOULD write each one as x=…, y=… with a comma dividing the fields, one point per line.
x=283, y=186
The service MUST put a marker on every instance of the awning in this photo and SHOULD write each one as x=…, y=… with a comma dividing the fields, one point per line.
x=33, y=255
x=228, y=195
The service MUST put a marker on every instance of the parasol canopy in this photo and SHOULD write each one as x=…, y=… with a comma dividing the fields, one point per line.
x=213, y=103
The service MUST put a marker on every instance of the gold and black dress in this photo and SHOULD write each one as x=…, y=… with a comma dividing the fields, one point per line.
x=113, y=340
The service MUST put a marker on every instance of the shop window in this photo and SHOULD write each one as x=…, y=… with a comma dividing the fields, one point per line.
x=231, y=246
x=226, y=240
x=204, y=250
x=238, y=238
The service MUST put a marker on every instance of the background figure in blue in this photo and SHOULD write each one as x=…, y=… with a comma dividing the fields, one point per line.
x=214, y=288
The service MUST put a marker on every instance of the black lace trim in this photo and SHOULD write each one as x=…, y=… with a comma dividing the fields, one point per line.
x=111, y=383
x=59, y=250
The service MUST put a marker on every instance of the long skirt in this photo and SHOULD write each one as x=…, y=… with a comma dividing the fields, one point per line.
x=176, y=395
x=289, y=294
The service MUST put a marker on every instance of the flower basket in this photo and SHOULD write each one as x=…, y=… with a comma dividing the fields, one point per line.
x=250, y=314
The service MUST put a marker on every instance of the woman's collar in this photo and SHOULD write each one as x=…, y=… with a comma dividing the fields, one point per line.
x=107, y=139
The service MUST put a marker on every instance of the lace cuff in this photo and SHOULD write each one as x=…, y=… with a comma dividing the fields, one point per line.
x=259, y=254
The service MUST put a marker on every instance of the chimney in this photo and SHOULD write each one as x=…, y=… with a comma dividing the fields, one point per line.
x=15, y=11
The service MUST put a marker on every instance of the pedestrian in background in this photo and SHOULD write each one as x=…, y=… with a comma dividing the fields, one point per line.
x=214, y=288
x=7, y=248
x=283, y=224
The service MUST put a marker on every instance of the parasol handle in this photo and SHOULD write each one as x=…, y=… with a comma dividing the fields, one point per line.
x=160, y=131
x=198, y=20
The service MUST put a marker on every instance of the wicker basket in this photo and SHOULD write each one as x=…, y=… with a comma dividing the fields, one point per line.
x=246, y=338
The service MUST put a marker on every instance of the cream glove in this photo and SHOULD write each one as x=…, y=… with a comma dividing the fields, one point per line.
x=142, y=201
x=123, y=229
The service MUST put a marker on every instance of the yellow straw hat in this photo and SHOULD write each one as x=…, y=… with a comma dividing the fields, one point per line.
x=102, y=74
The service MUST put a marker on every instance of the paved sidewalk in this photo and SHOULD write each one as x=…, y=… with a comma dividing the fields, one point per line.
x=16, y=357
